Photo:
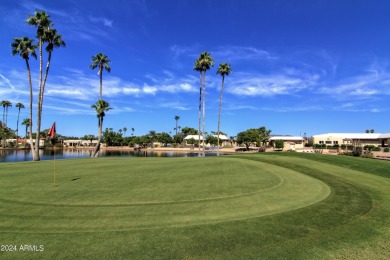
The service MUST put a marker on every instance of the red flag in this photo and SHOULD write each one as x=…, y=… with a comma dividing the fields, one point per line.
x=52, y=131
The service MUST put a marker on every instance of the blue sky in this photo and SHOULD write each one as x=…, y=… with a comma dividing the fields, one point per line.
x=298, y=66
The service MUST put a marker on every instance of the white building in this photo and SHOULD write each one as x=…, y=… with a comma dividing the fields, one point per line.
x=376, y=139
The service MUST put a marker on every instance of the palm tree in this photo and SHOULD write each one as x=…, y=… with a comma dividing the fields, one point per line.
x=124, y=131
x=26, y=122
x=177, y=119
x=101, y=108
x=6, y=104
x=19, y=106
x=132, y=131
x=25, y=47
x=224, y=70
x=203, y=64
x=101, y=61
x=45, y=34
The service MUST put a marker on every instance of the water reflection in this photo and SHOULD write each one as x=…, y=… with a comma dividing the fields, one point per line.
x=25, y=155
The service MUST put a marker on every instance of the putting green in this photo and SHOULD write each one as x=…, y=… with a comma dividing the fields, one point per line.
x=148, y=193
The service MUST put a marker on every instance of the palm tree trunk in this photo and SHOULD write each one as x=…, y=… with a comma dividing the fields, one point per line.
x=44, y=80
x=101, y=81
x=31, y=108
x=97, y=147
x=204, y=111
x=219, y=112
x=37, y=138
x=199, y=111
x=2, y=126
x=17, y=129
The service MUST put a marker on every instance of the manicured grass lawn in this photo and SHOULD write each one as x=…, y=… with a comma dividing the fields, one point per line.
x=273, y=205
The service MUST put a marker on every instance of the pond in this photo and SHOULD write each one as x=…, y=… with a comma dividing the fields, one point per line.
x=21, y=155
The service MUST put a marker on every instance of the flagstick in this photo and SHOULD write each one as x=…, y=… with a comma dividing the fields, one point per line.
x=54, y=170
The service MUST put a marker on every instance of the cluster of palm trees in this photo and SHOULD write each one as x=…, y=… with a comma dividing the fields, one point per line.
x=49, y=38
x=6, y=104
x=202, y=65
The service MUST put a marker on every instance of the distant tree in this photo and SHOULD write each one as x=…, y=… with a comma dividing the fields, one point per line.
x=263, y=135
x=177, y=119
x=224, y=70
x=132, y=131
x=367, y=131
x=124, y=131
x=372, y=131
x=164, y=138
x=101, y=107
x=258, y=136
x=210, y=139
x=189, y=131
x=101, y=62
x=144, y=140
x=5, y=104
x=248, y=137
x=178, y=139
x=26, y=122
x=19, y=106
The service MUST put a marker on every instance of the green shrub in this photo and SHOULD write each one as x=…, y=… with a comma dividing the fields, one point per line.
x=279, y=144
x=357, y=151
x=386, y=150
x=376, y=149
x=343, y=146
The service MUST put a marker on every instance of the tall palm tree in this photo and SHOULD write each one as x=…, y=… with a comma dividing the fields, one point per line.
x=132, y=131
x=101, y=106
x=177, y=119
x=124, y=131
x=5, y=104
x=19, y=106
x=101, y=61
x=25, y=47
x=45, y=34
x=202, y=65
x=224, y=69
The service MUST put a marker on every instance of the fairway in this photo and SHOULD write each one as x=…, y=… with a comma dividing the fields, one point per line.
x=214, y=207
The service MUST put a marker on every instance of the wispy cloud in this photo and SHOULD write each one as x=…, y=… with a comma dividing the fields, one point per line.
x=270, y=85
x=101, y=20
x=233, y=53
x=371, y=83
x=78, y=86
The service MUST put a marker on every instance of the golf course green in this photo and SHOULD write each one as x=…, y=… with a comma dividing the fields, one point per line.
x=272, y=205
